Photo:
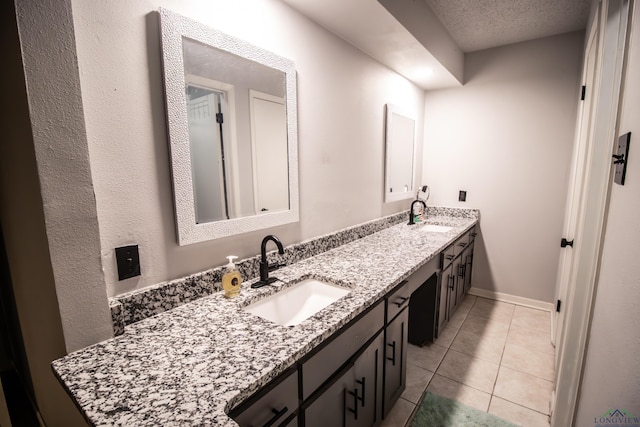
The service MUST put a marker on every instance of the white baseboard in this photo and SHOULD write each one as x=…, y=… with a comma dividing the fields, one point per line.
x=513, y=299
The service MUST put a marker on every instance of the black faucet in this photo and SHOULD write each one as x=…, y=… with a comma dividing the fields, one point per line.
x=411, y=210
x=265, y=267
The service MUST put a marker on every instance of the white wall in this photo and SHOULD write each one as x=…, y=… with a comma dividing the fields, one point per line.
x=341, y=98
x=506, y=138
x=50, y=240
x=611, y=375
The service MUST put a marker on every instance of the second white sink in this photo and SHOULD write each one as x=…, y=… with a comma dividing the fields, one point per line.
x=435, y=228
x=298, y=302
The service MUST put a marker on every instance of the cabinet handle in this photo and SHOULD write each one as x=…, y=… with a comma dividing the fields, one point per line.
x=277, y=414
x=401, y=300
x=451, y=280
x=362, y=384
x=461, y=270
x=393, y=354
x=463, y=244
x=474, y=234
x=355, y=403
x=449, y=257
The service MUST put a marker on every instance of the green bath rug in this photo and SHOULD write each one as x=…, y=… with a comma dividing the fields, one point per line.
x=438, y=411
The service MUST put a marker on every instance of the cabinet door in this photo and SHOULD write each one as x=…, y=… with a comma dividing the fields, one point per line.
x=455, y=285
x=395, y=360
x=293, y=422
x=447, y=281
x=461, y=278
x=469, y=268
x=355, y=397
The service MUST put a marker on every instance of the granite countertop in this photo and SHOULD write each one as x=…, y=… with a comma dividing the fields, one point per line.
x=192, y=364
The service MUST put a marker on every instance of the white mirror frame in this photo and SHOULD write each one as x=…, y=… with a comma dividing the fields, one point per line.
x=390, y=143
x=173, y=27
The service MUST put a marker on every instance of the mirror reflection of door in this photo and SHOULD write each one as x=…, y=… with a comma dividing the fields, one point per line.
x=269, y=148
x=207, y=109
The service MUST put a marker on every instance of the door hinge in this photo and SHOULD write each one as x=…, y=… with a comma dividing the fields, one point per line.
x=583, y=93
x=558, y=304
x=564, y=243
x=219, y=118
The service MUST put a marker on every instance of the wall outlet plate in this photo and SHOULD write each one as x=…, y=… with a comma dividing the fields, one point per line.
x=621, y=158
x=128, y=261
x=462, y=196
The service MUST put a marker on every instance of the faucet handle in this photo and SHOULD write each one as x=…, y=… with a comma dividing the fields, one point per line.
x=275, y=265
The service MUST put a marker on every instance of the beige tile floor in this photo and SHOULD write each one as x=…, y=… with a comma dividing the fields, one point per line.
x=493, y=356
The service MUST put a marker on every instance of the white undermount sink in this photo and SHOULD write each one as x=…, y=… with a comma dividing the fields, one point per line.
x=435, y=228
x=297, y=303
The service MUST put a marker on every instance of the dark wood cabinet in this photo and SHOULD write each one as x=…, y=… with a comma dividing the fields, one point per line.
x=354, y=397
x=455, y=278
x=456, y=296
x=327, y=360
x=395, y=361
x=292, y=422
x=447, y=284
x=273, y=405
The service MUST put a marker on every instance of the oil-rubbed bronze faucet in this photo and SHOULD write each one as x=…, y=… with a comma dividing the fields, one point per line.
x=411, y=222
x=265, y=267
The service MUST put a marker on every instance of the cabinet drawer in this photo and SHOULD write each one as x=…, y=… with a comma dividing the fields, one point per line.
x=398, y=299
x=473, y=232
x=460, y=244
x=318, y=369
x=275, y=403
x=447, y=256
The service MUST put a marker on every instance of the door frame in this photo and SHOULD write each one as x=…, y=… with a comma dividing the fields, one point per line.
x=612, y=46
x=583, y=134
x=230, y=138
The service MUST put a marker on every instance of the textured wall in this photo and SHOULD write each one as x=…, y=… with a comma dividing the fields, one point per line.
x=52, y=247
x=57, y=124
x=611, y=375
x=341, y=98
x=506, y=138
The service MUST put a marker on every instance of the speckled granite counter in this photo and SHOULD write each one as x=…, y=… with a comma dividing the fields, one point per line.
x=190, y=365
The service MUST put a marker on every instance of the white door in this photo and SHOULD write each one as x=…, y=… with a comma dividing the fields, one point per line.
x=587, y=200
x=576, y=184
x=269, y=147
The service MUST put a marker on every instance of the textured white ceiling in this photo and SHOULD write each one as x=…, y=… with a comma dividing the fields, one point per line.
x=482, y=24
x=472, y=24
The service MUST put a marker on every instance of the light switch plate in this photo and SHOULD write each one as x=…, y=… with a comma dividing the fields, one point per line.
x=128, y=261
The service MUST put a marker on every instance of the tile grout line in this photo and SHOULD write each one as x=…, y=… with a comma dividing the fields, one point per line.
x=500, y=366
x=493, y=389
x=424, y=392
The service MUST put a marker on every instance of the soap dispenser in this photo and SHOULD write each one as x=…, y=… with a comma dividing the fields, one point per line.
x=231, y=279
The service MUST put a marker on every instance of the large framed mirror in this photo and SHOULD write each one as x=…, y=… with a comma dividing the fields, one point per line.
x=232, y=125
x=400, y=154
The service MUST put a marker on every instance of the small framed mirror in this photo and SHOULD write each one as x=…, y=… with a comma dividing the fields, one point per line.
x=232, y=124
x=400, y=153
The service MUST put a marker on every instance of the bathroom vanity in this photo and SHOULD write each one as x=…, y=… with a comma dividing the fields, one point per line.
x=210, y=362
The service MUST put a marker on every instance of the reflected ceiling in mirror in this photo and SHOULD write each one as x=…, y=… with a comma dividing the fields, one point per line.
x=231, y=115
